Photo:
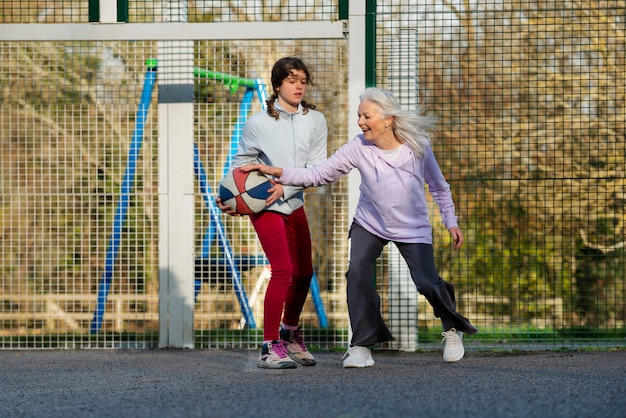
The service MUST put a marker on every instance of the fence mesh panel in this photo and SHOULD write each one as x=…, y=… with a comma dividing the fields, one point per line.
x=72, y=11
x=67, y=117
x=530, y=101
x=531, y=136
x=217, y=105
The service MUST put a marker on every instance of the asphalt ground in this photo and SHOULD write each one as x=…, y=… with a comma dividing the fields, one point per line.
x=227, y=383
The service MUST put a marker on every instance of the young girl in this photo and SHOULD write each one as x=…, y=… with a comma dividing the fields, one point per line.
x=290, y=133
x=395, y=159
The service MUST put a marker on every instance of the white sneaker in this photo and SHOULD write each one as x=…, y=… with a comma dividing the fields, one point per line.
x=453, y=350
x=358, y=356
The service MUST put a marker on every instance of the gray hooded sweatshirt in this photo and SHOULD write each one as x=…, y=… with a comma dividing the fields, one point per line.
x=294, y=140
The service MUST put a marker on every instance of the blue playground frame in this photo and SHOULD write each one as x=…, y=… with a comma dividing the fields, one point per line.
x=232, y=263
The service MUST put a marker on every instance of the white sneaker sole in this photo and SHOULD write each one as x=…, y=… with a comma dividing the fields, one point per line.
x=355, y=365
x=303, y=361
x=284, y=365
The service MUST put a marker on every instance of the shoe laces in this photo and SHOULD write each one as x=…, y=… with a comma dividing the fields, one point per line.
x=297, y=337
x=279, y=348
x=450, y=337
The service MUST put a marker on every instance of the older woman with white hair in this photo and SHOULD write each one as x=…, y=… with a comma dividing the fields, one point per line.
x=396, y=161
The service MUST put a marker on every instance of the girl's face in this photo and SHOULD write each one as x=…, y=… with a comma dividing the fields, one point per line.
x=372, y=122
x=291, y=91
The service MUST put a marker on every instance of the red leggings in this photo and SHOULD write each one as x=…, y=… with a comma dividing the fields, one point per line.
x=286, y=240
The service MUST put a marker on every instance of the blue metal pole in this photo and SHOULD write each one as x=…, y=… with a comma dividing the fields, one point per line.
x=122, y=204
x=216, y=223
x=317, y=301
x=260, y=90
x=244, y=109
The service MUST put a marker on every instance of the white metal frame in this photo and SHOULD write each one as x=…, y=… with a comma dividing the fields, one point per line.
x=171, y=31
x=176, y=119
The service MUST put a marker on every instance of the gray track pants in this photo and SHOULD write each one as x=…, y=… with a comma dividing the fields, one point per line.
x=368, y=327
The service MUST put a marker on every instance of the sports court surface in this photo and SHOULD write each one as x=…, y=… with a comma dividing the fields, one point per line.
x=227, y=383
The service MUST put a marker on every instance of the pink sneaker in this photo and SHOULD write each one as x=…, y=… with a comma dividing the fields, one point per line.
x=294, y=342
x=274, y=356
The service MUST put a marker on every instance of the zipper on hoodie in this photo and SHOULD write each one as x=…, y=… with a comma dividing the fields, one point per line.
x=293, y=140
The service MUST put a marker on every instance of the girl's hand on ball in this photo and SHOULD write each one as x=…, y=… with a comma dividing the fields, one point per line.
x=225, y=208
x=276, y=192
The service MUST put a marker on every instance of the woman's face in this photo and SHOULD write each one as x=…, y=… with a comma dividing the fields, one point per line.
x=371, y=121
x=291, y=91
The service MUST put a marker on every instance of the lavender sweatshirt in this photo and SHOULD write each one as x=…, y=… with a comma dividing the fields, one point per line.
x=392, y=203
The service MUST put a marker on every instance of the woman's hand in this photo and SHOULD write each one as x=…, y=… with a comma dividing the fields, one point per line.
x=265, y=169
x=457, y=237
x=277, y=190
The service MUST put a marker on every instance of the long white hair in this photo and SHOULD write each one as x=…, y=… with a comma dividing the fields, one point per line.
x=411, y=127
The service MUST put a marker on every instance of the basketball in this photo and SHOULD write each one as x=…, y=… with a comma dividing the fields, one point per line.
x=244, y=192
